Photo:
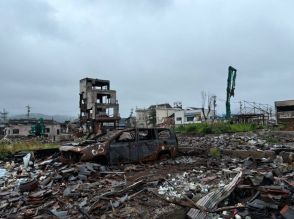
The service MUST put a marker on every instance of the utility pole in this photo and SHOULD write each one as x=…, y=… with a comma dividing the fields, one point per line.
x=214, y=106
x=28, y=111
x=240, y=107
x=4, y=115
x=244, y=107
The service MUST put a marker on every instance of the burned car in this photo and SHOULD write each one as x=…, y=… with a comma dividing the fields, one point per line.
x=124, y=146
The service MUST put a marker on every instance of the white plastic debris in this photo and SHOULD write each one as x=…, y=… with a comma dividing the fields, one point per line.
x=238, y=216
x=26, y=160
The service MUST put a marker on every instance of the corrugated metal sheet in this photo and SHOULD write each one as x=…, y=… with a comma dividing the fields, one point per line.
x=195, y=213
x=211, y=200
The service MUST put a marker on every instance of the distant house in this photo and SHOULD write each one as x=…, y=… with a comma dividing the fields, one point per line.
x=22, y=127
x=161, y=113
x=192, y=115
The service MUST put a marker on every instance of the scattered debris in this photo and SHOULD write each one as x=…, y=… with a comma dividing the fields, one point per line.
x=204, y=186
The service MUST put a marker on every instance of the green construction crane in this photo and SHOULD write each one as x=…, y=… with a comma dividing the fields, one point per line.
x=230, y=89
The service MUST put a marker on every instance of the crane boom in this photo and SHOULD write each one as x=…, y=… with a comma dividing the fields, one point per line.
x=232, y=74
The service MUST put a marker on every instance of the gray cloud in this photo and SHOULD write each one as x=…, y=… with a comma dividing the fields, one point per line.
x=152, y=51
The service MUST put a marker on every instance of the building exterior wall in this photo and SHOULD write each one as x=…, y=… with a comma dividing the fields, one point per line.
x=162, y=113
x=180, y=117
x=19, y=130
x=24, y=130
x=55, y=130
x=142, y=118
x=285, y=111
x=190, y=116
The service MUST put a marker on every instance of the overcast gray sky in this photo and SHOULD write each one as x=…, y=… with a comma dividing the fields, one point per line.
x=153, y=51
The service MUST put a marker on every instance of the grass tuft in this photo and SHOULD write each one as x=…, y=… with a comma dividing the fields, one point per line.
x=217, y=128
x=25, y=146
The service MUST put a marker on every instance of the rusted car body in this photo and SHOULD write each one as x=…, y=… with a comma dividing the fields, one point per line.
x=124, y=146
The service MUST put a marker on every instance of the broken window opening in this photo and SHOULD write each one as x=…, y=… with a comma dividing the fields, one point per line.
x=126, y=137
x=100, y=87
x=190, y=118
x=147, y=134
x=105, y=99
x=164, y=134
x=110, y=112
x=285, y=108
x=15, y=131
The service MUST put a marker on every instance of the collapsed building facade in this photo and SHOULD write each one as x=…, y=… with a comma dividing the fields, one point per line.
x=155, y=115
x=99, y=108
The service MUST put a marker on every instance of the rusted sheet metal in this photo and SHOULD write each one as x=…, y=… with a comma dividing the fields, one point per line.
x=274, y=192
x=29, y=186
x=211, y=200
x=125, y=146
x=287, y=212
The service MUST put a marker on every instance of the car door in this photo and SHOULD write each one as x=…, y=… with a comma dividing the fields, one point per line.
x=167, y=139
x=147, y=144
x=123, y=148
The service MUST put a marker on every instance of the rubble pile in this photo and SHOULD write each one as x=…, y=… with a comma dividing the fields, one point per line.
x=199, y=186
x=81, y=190
x=241, y=145
x=89, y=190
x=238, y=189
x=225, y=141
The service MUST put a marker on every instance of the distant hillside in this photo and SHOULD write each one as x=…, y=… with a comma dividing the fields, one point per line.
x=58, y=118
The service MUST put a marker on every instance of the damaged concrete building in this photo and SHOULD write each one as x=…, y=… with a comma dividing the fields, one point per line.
x=162, y=113
x=285, y=112
x=99, y=108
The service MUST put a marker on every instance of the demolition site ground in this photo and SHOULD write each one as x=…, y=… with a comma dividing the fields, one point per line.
x=245, y=175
